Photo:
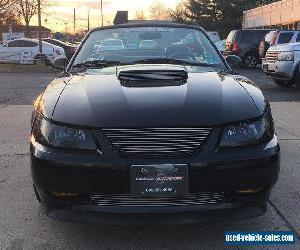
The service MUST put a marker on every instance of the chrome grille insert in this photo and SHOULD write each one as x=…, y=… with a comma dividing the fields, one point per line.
x=157, y=142
x=272, y=56
x=127, y=200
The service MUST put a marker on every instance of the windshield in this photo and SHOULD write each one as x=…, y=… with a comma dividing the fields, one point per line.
x=111, y=43
x=121, y=46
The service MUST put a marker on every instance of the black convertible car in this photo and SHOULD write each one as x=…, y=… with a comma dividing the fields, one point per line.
x=161, y=134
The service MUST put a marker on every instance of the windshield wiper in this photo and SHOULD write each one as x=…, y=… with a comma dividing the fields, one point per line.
x=172, y=61
x=94, y=64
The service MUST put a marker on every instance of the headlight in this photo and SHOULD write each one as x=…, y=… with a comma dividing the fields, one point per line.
x=53, y=135
x=248, y=133
x=286, y=56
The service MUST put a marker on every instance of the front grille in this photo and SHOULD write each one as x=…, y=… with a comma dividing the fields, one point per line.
x=272, y=56
x=126, y=200
x=157, y=142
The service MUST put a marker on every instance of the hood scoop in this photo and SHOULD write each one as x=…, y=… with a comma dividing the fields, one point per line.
x=152, y=75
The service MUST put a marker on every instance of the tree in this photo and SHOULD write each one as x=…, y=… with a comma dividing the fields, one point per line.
x=158, y=11
x=7, y=13
x=179, y=14
x=4, y=9
x=140, y=15
x=28, y=9
x=218, y=15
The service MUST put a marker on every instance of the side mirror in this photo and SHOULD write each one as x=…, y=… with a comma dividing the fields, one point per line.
x=60, y=63
x=234, y=61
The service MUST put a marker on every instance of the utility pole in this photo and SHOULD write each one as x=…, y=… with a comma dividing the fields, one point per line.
x=40, y=27
x=102, y=12
x=66, y=26
x=74, y=21
x=89, y=19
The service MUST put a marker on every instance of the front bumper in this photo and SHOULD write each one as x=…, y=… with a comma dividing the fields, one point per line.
x=226, y=171
x=281, y=70
x=256, y=206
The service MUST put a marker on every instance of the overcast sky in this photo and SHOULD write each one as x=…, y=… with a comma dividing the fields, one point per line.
x=60, y=16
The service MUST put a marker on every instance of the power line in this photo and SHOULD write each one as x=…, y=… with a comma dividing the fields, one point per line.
x=64, y=20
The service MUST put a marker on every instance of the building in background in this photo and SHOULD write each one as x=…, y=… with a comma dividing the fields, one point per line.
x=279, y=15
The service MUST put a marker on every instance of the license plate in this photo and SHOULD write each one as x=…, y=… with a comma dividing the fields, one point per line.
x=166, y=180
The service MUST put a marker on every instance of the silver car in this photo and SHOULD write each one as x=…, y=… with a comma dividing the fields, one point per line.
x=282, y=64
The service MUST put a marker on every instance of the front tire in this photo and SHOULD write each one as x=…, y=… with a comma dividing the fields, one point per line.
x=250, y=61
x=297, y=78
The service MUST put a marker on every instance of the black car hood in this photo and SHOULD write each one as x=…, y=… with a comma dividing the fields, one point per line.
x=100, y=100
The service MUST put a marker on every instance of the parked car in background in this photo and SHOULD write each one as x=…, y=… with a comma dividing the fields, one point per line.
x=69, y=48
x=286, y=36
x=221, y=45
x=245, y=44
x=214, y=36
x=266, y=43
x=133, y=45
x=11, y=51
x=282, y=64
x=148, y=44
x=110, y=44
x=277, y=37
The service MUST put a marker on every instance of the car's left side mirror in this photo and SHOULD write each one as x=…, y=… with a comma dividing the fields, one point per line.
x=60, y=63
x=234, y=61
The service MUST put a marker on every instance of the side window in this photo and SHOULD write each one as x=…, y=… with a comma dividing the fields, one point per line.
x=285, y=37
x=298, y=38
x=22, y=44
x=246, y=36
x=14, y=44
x=29, y=44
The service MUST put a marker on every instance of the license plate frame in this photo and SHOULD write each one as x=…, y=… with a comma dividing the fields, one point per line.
x=159, y=180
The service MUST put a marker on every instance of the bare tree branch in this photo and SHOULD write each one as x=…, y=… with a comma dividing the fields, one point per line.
x=27, y=9
x=159, y=11
x=4, y=6
x=140, y=15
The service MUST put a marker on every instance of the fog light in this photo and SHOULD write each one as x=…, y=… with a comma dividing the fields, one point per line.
x=64, y=195
x=250, y=191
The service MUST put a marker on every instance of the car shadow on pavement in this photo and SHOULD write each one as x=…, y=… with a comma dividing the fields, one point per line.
x=274, y=92
x=204, y=236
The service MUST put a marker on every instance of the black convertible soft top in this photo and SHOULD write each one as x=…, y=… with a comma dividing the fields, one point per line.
x=150, y=24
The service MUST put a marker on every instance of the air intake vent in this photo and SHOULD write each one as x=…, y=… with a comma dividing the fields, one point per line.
x=157, y=142
x=146, y=73
x=130, y=201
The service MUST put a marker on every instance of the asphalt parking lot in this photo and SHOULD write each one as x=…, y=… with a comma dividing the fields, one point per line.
x=24, y=226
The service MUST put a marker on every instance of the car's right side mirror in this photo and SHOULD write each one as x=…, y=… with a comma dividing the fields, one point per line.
x=60, y=63
x=234, y=61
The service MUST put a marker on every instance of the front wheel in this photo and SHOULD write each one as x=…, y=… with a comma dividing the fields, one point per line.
x=284, y=84
x=250, y=61
x=297, y=78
